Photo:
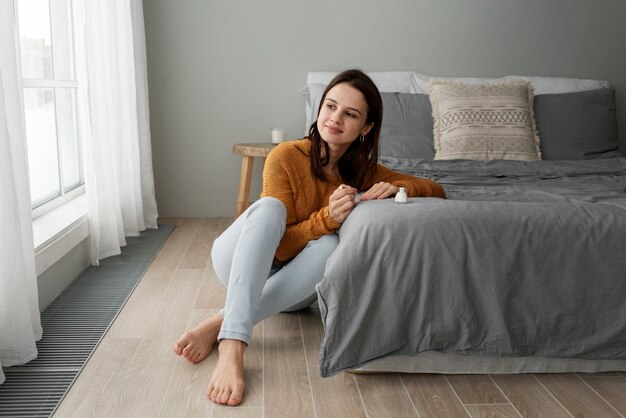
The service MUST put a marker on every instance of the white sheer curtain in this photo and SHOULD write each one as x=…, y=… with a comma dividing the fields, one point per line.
x=114, y=104
x=20, y=324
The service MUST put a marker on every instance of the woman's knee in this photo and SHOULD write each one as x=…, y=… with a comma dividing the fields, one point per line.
x=268, y=212
x=222, y=260
x=268, y=207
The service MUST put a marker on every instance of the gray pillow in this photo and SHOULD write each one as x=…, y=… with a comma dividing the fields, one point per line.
x=314, y=97
x=407, y=128
x=577, y=126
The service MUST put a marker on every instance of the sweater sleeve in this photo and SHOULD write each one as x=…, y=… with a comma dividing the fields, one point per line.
x=415, y=186
x=298, y=235
x=278, y=183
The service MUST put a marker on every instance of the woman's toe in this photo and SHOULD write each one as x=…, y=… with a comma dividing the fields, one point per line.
x=224, y=397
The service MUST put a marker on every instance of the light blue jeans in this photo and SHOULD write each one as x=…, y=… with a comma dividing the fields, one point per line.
x=242, y=258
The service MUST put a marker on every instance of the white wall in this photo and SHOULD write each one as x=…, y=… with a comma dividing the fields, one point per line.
x=223, y=72
x=52, y=282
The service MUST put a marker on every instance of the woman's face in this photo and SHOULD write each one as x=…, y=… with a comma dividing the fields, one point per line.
x=343, y=116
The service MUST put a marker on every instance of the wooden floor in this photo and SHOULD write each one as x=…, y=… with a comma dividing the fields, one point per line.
x=134, y=373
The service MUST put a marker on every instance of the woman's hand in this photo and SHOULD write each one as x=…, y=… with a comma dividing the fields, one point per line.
x=341, y=203
x=380, y=190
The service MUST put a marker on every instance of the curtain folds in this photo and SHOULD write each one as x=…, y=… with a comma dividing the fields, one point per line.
x=20, y=324
x=114, y=98
x=114, y=121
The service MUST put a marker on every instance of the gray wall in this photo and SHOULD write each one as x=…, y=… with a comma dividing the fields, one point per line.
x=223, y=72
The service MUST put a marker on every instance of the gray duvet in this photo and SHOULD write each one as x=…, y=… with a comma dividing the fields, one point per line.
x=522, y=259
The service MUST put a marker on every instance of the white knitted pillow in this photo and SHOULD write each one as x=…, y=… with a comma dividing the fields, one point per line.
x=484, y=122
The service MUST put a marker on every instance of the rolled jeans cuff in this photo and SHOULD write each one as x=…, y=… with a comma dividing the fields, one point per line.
x=234, y=335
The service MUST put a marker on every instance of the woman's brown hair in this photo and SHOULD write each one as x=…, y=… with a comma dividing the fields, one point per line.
x=358, y=165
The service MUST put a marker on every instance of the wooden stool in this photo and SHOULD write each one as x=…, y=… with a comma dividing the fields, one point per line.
x=248, y=152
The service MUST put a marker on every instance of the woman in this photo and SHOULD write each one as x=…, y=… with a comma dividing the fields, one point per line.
x=309, y=189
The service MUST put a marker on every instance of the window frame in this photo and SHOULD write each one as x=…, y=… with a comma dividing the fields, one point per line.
x=65, y=196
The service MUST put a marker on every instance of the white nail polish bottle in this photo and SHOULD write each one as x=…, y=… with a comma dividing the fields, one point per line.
x=401, y=196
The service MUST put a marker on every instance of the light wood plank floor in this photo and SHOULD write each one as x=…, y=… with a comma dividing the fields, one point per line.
x=134, y=373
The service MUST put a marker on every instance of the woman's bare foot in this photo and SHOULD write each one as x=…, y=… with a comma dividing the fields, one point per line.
x=226, y=385
x=196, y=344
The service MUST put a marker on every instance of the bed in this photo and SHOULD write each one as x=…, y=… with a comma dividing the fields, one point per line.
x=522, y=268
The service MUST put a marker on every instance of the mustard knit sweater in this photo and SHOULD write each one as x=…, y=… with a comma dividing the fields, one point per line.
x=287, y=176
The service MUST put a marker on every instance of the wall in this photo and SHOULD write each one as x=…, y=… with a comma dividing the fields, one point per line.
x=52, y=282
x=223, y=72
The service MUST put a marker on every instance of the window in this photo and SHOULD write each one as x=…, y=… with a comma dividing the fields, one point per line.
x=46, y=43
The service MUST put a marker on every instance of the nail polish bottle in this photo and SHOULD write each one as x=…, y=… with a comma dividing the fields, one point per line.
x=401, y=196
